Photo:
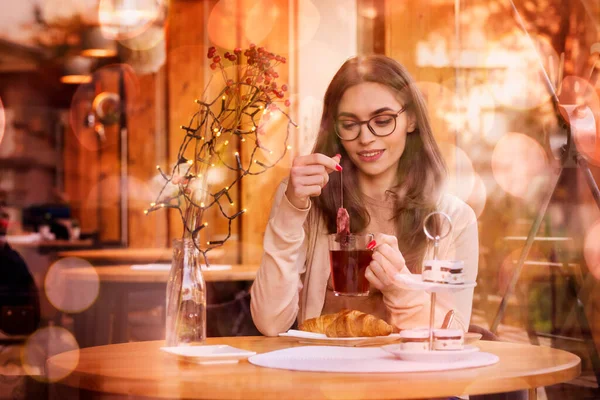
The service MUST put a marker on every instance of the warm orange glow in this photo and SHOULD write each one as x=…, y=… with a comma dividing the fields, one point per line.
x=75, y=79
x=99, y=53
x=519, y=164
x=66, y=296
x=591, y=249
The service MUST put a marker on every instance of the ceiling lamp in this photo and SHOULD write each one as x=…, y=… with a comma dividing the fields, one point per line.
x=124, y=19
x=95, y=44
x=76, y=70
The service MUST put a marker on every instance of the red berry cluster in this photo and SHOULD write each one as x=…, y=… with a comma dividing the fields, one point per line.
x=260, y=72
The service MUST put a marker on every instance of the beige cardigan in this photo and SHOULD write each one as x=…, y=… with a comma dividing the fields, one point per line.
x=289, y=285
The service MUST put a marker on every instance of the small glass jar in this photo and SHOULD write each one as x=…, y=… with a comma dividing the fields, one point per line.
x=186, y=296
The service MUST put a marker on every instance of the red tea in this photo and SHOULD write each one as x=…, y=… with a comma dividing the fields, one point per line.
x=348, y=271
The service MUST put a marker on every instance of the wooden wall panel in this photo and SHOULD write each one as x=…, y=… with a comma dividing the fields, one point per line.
x=186, y=55
x=258, y=191
x=109, y=189
x=145, y=137
x=81, y=161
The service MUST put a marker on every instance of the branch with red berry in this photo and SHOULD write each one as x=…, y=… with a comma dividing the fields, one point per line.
x=235, y=117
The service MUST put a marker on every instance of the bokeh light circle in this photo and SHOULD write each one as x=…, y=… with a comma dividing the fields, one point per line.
x=518, y=163
x=43, y=344
x=591, y=249
x=461, y=175
x=123, y=20
x=67, y=295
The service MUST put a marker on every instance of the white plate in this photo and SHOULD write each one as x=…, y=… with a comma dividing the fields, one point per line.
x=321, y=338
x=415, y=282
x=434, y=356
x=215, y=354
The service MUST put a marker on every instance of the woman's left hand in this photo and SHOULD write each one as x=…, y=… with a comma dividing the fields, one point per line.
x=387, y=262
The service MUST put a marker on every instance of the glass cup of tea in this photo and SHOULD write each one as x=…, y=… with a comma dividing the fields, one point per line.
x=349, y=258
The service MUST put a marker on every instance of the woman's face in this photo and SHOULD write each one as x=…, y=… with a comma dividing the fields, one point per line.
x=375, y=156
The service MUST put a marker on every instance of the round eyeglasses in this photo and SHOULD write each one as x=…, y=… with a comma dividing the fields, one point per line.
x=380, y=125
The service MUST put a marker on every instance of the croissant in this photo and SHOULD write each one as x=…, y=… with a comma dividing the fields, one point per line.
x=319, y=324
x=355, y=323
x=347, y=323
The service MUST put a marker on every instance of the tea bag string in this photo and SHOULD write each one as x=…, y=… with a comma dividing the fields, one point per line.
x=341, y=189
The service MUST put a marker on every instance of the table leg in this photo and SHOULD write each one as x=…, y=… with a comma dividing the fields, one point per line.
x=532, y=394
x=104, y=308
x=121, y=315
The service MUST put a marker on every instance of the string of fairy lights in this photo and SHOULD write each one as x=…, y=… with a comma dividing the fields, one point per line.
x=234, y=115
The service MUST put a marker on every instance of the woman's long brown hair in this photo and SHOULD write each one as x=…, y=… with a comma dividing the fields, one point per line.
x=421, y=170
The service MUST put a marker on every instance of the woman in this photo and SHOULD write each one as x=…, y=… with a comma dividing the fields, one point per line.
x=375, y=128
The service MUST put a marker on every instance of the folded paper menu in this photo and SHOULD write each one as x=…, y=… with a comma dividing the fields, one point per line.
x=167, y=267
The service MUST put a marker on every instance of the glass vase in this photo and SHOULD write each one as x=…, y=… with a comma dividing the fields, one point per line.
x=186, y=296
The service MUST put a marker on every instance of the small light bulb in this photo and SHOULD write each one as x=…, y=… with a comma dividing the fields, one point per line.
x=226, y=187
x=243, y=140
x=216, y=130
x=289, y=147
x=190, y=162
x=224, y=97
x=158, y=167
x=244, y=210
x=237, y=154
x=152, y=204
x=253, y=128
x=201, y=204
x=226, y=142
x=206, y=224
x=146, y=212
x=197, y=101
x=231, y=204
x=212, y=165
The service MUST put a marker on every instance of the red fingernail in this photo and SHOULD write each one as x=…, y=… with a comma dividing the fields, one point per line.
x=338, y=167
x=338, y=155
x=371, y=245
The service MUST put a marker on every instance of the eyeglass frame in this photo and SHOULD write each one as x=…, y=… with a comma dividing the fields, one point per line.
x=361, y=123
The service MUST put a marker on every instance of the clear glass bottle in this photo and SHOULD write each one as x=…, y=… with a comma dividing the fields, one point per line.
x=186, y=296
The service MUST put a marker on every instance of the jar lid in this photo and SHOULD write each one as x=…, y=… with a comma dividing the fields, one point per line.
x=418, y=333
x=444, y=333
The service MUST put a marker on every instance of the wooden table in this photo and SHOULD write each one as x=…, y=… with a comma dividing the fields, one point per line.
x=141, y=369
x=125, y=274
x=131, y=255
x=106, y=320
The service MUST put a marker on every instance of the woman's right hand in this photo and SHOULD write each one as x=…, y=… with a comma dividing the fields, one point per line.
x=308, y=177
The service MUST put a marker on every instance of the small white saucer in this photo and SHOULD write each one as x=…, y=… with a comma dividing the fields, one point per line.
x=215, y=354
x=415, y=282
x=434, y=356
